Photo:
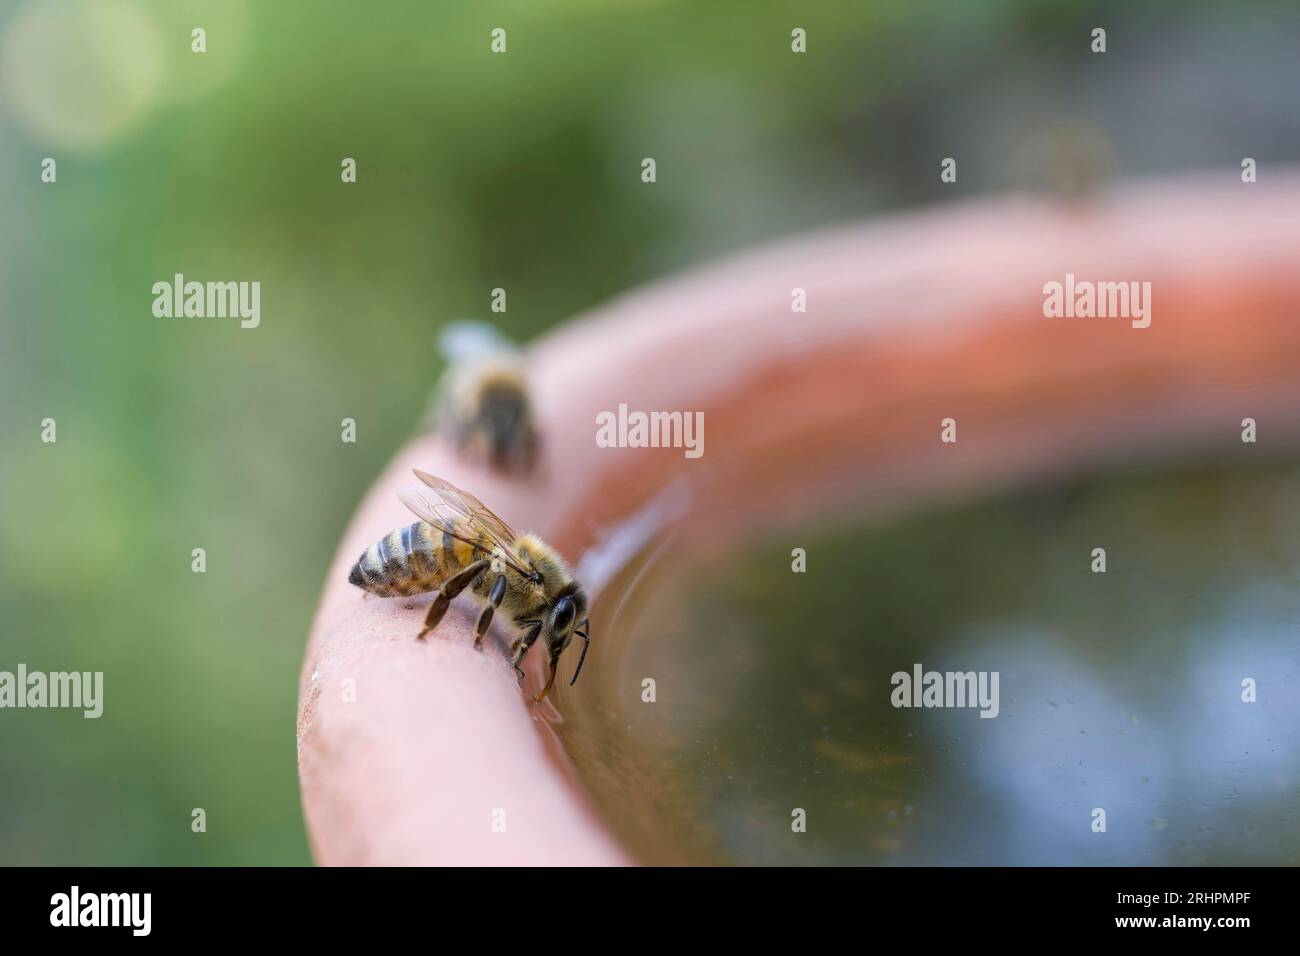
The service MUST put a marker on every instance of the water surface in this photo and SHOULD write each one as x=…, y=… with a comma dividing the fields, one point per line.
x=1120, y=691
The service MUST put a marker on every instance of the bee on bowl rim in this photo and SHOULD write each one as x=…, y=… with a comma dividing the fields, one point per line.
x=460, y=543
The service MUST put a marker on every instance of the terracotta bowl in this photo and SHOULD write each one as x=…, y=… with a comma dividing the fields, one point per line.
x=910, y=320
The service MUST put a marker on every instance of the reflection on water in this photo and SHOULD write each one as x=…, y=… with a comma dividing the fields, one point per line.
x=1119, y=691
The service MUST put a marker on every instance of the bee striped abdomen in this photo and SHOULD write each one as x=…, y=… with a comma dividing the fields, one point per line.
x=408, y=561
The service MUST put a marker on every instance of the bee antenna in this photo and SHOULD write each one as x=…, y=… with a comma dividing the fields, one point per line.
x=586, y=645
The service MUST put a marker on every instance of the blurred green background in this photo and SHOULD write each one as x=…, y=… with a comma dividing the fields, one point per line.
x=474, y=171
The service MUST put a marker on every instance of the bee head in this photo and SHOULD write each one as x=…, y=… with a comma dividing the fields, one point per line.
x=569, y=617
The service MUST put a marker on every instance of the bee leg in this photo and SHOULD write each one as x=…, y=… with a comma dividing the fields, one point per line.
x=449, y=590
x=520, y=647
x=494, y=601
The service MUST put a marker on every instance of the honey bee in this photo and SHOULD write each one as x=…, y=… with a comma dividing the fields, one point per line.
x=482, y=401
x=459, y=543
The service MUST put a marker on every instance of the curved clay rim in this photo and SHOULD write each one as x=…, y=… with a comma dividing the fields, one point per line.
x=910, y=320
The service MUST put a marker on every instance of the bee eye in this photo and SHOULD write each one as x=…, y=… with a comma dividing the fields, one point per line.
x=563, y=614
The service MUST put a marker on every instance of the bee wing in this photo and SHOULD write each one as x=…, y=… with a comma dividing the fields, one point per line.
x=468, y=506
x=447, y=506
x=469, y=340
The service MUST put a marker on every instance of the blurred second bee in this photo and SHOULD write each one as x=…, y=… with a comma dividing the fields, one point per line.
x=481, y=403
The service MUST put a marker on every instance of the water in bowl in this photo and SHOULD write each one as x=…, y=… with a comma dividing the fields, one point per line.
x=738, y=711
